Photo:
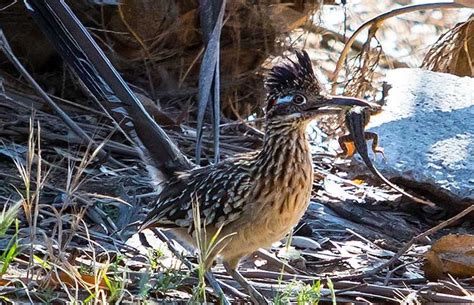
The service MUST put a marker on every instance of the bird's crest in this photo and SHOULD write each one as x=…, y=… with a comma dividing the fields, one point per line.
x=290, y=77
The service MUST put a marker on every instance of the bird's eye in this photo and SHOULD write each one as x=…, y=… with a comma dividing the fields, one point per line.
x=299, y=99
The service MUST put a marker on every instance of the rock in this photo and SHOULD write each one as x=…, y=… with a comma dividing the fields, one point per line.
x=427, y=132
x=305, y=243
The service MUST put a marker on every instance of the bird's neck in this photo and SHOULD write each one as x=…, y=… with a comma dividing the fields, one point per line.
x=285, y=149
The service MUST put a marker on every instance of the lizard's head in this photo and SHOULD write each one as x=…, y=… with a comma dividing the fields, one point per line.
x=294, y=93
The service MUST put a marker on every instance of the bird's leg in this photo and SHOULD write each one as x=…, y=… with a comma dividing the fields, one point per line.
x=209, y=275
x=256, y=296
x=217, y=288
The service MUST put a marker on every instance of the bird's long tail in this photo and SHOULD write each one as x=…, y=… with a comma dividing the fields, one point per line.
x=105, y=85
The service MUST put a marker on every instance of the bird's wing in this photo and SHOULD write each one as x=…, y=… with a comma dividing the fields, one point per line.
x=219, y=191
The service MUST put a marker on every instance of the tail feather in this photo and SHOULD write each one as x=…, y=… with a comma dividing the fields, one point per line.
x=105, y=85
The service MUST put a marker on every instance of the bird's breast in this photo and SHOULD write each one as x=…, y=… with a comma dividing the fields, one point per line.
x=283, y=188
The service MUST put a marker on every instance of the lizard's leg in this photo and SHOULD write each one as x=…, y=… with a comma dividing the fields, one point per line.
x=375, y=143
x=347, y=145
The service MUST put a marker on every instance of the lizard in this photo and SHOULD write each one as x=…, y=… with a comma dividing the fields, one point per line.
x=356, y=118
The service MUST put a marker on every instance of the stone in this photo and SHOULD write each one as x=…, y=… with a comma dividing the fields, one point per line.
x=427, y=131
x=302, y=242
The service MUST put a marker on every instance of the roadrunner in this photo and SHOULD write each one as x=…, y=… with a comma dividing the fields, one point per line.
x=256, y=198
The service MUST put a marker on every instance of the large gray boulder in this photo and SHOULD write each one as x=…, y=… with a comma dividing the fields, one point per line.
x=427, y=131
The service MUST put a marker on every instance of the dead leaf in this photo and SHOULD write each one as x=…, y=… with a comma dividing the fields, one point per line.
x=453, y=254
x=88, y=280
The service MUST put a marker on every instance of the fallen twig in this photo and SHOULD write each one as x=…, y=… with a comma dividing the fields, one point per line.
x=407, y=246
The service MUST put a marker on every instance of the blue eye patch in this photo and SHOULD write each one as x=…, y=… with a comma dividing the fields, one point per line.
x=284, y=99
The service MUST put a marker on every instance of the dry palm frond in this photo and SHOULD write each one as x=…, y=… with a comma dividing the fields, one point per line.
x=454, y=51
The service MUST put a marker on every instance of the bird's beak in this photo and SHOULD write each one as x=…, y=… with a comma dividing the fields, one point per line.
x=334, y=104
x=345, y=101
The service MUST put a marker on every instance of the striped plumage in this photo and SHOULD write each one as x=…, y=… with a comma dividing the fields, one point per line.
x=259, y=196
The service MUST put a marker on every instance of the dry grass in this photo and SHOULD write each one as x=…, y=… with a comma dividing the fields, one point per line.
x=453, y=52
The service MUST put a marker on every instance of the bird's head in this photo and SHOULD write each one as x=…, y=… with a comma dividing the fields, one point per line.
x=295, y=94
